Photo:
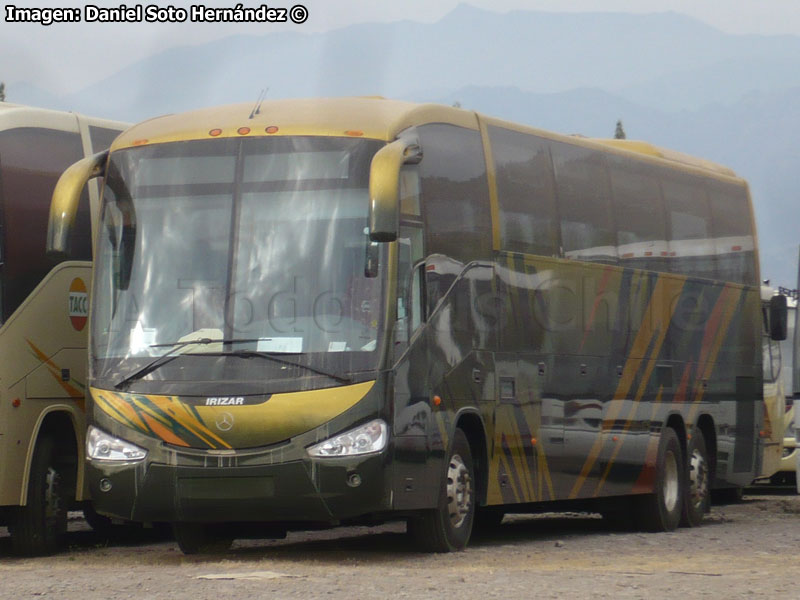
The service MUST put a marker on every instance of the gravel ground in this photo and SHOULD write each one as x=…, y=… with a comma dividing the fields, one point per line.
x=745, y=550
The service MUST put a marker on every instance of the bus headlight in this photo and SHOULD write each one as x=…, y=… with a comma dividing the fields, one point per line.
x=367, y=439
x=102, y=446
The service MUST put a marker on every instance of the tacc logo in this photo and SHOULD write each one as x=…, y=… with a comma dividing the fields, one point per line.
x=78, y=303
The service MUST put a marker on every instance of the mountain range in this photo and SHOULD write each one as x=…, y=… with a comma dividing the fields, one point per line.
x=672, y=80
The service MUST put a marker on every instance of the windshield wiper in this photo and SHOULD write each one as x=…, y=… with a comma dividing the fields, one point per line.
x=276, y=358
x=170, y=355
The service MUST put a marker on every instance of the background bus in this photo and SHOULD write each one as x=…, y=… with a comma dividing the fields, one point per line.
x=353, y=310
x=43, y=312
x=787, y=474
x=776, y=403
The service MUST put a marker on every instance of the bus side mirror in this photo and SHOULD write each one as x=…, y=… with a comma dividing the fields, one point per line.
x=778, y=317
x=384, y=188
x=67, y=193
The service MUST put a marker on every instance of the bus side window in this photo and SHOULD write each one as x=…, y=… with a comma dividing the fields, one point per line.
x=410, y=290
x=691, y=244
x=584, y=204
x=102, y=137
x=525, y=192
x=733, y=235
x=638, y=214
x=454, y=193
x=33, y=158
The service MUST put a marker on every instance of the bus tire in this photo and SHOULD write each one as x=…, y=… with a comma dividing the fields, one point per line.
x=39, y=527
x=447, y=527
x=200, y=538
x=698, y=487
x=661, y=510
x=100, y=524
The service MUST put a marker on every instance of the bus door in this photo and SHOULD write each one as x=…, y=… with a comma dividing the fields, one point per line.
x=412, y=422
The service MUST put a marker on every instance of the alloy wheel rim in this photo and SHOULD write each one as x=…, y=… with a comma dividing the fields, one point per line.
x=698, y=478
x=459, y=491
x=671, y=485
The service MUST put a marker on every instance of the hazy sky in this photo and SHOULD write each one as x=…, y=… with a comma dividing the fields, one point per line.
x=64, y=58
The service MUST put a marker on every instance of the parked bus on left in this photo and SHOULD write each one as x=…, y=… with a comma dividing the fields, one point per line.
x=43, y=314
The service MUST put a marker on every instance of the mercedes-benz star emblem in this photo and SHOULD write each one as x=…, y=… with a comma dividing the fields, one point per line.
x=224, y=421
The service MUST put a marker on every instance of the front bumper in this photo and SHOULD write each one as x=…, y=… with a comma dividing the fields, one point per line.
x=230, y=482
x=791, y=455
x=318, y=491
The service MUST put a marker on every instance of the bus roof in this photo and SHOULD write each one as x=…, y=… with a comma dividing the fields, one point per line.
x=369, y=117
x=21, y=115
x=671, y=155
x=642, y=149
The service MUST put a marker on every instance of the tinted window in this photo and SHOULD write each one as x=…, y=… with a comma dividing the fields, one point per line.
x=525, y=192
x=31, y=160
x=691, y=246
x=455, y=193
x=639, y=214
x=584, y=202
x=101, y=137
x=733, y=232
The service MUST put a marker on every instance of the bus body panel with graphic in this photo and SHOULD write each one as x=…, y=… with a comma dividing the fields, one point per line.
x=43, y=331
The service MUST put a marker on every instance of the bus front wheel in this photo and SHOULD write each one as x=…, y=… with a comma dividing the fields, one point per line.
x=661, y=510
x=447, y=527
x=200, y=538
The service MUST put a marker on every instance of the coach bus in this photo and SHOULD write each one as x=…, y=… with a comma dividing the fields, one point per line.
x=332, y=311
x=43, y=323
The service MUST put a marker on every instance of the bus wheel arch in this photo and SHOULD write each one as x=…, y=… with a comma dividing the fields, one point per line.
x=487, y=518
x=472, y=426
x=676, y=423
x=60, y=425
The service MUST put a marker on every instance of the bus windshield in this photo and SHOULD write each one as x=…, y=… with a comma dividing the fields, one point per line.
x=261, y=243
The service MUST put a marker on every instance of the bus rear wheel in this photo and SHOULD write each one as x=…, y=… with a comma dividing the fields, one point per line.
x=698, y=490
x=39, y=527
x=662, y=510
x=447, y=527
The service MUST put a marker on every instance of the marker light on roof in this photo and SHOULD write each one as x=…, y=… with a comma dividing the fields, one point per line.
x=215, y=132
x=354, y=133
x=243, y=130
x=272, y=129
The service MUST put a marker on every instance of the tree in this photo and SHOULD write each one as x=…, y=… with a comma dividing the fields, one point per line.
x=619, y=133
x=2, y=92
